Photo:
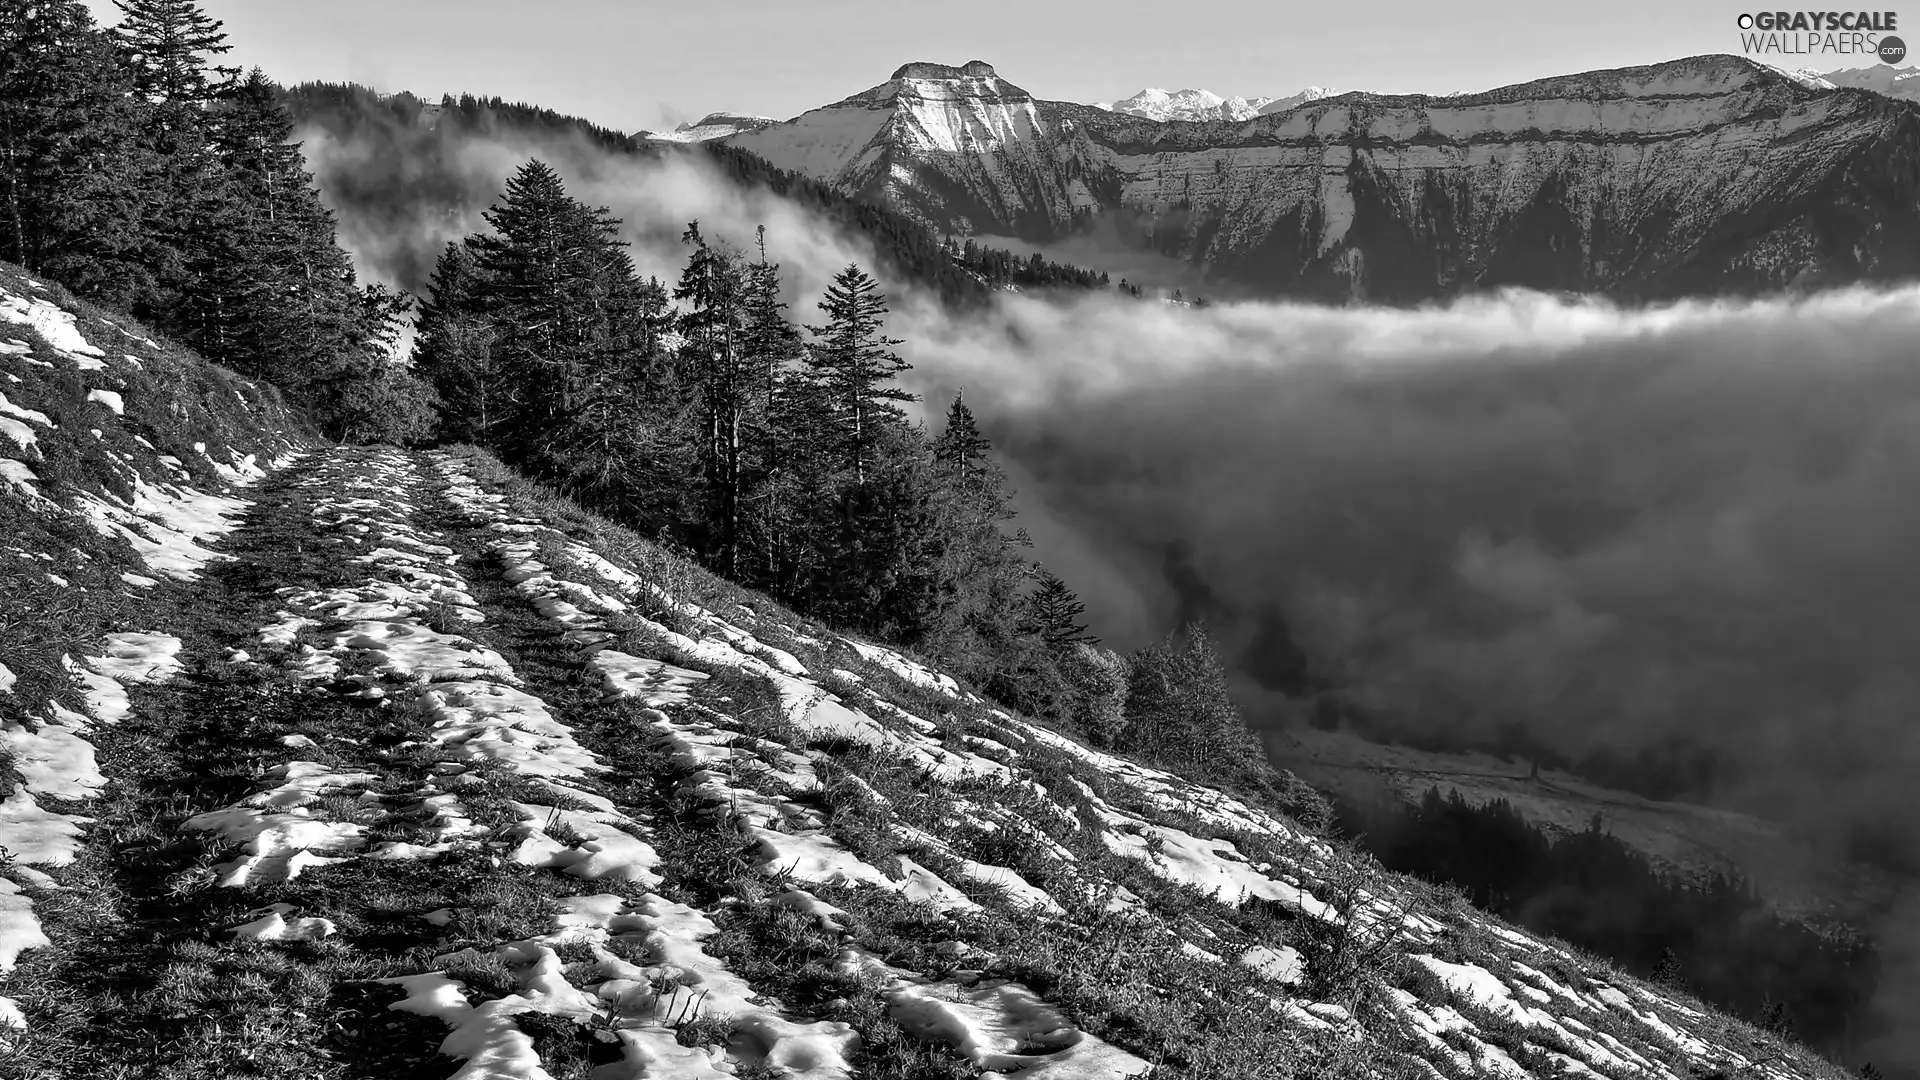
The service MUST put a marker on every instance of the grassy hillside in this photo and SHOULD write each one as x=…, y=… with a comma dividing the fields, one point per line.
x=116, y=453
x=357, y=763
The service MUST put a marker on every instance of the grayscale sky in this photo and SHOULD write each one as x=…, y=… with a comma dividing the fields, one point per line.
x=631, y=65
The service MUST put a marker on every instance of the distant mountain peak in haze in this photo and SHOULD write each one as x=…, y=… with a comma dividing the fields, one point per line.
x=1897, y=82
x=1202, y=105
x=1156, y=104
x=714, y=125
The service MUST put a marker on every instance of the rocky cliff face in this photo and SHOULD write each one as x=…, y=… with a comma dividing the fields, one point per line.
x=1706, y=175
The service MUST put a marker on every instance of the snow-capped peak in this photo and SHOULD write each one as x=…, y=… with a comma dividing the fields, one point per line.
x=1892, y=81
x=1311, y=93
x=1157, y=104
x=718, y=125
x=1807, y=77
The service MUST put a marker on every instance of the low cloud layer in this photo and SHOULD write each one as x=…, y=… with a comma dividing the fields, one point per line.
x=403, y=192
x=1686, y=538
x=1610, y=528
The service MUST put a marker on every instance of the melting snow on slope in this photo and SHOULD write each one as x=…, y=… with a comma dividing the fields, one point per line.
x=53, y=759
x=166, y=524
x=999, y=1026
x=53, y=323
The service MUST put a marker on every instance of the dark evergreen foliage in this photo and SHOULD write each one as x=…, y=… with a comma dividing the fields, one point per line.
x=453, y=350
x=1178, y=708
x=167, y=44
x=71, y=169
x=1055, y=612
x=142, y=175
x=1001, y=269
x=1713, y=937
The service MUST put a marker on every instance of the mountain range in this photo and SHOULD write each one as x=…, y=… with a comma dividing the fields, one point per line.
x=1204, y=105
x=1711, y=174
x=1899, y=82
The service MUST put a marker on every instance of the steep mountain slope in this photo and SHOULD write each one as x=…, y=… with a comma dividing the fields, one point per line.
x=389, y=758
x=1706, y=175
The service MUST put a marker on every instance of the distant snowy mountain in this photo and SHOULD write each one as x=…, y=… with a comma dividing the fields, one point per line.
x=1899, y=82
x=1201, y=105
x=1269, y=106
x=717, y=125
x=1204, y=105
x=1707, y=175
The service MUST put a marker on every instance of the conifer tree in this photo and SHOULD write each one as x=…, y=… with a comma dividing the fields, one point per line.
x=717, y=368
x=981, y=574
x=1153, y=717
x=623, y=449
x=374, y=398
x=768, y=338
x=170, y=43
x=1217, y=737
x=169, y=47
x=1178, y=706
x=854, y=364
x=1097, y=681
x=882, y=548
x=565, y=305
x=272, y=293
x=71, y=169
x=453, y=350
x=772, y=345
x=1055, y=612
x=961, y=447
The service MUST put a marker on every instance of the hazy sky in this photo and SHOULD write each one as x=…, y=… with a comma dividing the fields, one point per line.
x=638, y=64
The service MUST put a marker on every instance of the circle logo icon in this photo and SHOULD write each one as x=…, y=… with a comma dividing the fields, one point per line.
x=1892, y=50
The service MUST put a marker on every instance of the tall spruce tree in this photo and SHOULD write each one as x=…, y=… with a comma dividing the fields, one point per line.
x=564, y=301
x=277, y=295
x=622, y=449
x=1217, y=739
x=961, y=447
x=772, y=345
x=72, y=172
x=170, y=43
x=376, y=398
x=855, y=367
x=716, y=366
x=882, y=545
x=453, y=350
x=169, y=47
x=1055, y=612
x=981, y=572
